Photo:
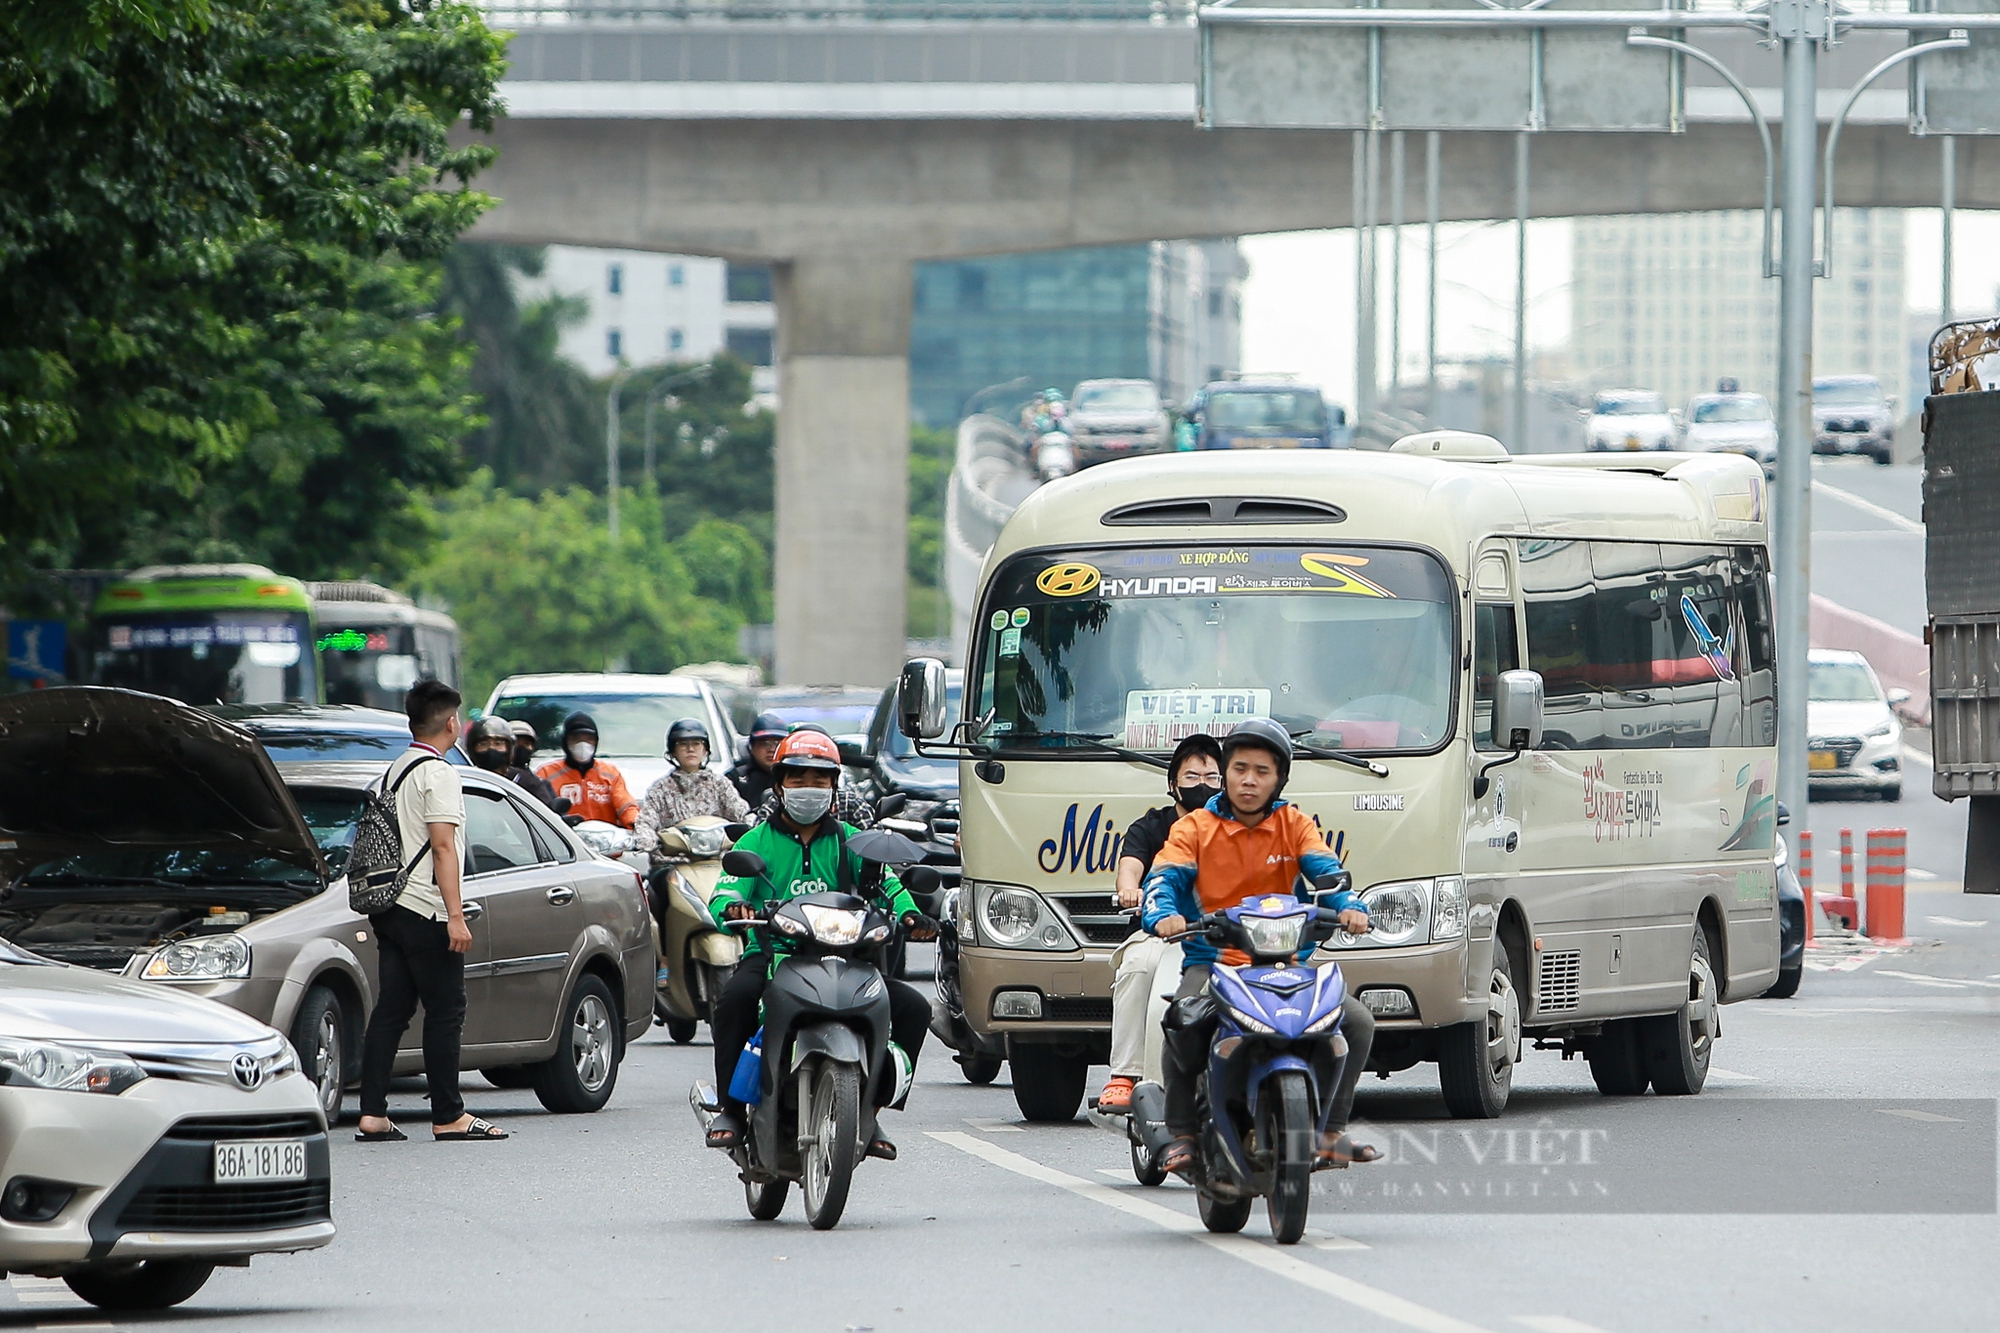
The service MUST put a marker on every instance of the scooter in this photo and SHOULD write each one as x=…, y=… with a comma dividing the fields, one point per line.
x=1055, y=455
x=695, y=957
x=1274, y=1061
x=825, y=1045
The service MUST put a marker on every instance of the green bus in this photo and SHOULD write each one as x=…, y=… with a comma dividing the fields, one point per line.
x=205, y=634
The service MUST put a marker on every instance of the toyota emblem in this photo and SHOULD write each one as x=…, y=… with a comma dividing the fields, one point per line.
x=249, y=1071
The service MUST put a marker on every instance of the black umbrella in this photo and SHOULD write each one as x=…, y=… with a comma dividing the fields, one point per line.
x=885, y=847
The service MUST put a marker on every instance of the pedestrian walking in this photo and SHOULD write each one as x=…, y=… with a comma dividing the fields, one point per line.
x=422, y=937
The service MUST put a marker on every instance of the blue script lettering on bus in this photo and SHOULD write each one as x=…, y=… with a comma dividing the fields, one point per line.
x=1093, y=850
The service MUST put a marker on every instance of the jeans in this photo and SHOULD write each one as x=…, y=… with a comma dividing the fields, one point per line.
x=1131, y=998
x=735, y=1022
x=1187, y=1052
x=416, y=964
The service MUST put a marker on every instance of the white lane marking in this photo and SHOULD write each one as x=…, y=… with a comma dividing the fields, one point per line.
x=1838, y=1013
x=1713, y=1072
x=1556, y=1323
x=1952, y=921
x=1921, y=876
x=1925, y=1116
x=1890, y=516
x=1337, y=1243
x=1263, y=1255
x=1913, y=753
x=993, y=1126
x=1947, y=981
x=23, y=1282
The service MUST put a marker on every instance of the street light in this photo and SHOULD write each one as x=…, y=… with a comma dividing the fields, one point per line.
x=659, y=391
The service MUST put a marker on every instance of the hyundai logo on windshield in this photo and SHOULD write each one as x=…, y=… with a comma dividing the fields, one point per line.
x=249, y=1072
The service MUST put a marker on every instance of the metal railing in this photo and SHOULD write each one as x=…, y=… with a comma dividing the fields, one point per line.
x=542, y=13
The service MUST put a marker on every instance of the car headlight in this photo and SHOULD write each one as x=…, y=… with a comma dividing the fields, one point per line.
x=1273, y=935
x=705, y=842
x=45, y=1064
x=1015, y=918
x=1448, y=909
x=1877, y=732
x=208, y=958
x=832, y=925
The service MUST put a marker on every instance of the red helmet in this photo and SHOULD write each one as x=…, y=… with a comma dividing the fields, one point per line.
x=808, y=749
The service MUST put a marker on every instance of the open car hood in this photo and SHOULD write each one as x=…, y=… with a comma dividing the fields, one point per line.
x=86, y=769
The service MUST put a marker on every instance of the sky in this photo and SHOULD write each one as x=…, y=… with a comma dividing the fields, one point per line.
x=1298, y=302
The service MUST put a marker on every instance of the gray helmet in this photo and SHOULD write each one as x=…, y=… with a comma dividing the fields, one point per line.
x=1264, y=734
x=688, y=729
x=491, y=728
x=525, y=731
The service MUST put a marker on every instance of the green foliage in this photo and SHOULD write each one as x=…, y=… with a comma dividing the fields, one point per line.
x=539, y=585
x=220, y=222
x=713, y=455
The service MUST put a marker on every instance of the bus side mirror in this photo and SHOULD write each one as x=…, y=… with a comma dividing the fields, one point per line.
x=920, y=697
x=1517, y=710
x=1784, y=814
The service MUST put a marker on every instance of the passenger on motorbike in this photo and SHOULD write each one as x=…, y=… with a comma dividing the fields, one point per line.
x=805, y=850
x=1245, y=843
x=752, y=775
x=1194, y=777
x=690, y=790
x=849, y=805
x=491, y=743
x=524, y=743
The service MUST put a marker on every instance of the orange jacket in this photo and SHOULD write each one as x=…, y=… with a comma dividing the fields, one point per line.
x=598, y=794
x=1212, y=862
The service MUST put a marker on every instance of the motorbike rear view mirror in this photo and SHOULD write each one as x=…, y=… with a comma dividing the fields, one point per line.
x=1517, y=720
x=1326, y=888
x=891, y=805
x=923, y=883
x=743, y=865
x=920, y=699
x=853, y=750
x=735, y=831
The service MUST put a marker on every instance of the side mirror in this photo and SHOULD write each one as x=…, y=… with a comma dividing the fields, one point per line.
x=892, y=804
x=1784, y=814
x=923, y=883
x=735, y=832
x=1328, y=887
x=1897, y=698
x=743, y=865
x=920, y=698
x=1517, y=709
x=853, y=749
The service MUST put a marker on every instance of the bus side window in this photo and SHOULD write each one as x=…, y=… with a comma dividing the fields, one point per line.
x=1556, y=584
x=1493, y=650
x=1757, y=648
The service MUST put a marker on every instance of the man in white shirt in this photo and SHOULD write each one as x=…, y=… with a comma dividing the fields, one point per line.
x=423, y=938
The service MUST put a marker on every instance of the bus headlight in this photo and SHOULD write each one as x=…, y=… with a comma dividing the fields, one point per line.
x=1017, y=918
x=1402, y=912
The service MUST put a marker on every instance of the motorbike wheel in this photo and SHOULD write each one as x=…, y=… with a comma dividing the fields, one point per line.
x=836, y=1142
x=1225, y=1217
x=1145, y=1170
x=1294, y=1143
x=682, y=1030
x=767, y=1200
x=980, y=1070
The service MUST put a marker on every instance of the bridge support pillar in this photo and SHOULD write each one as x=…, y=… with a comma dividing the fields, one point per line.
x=843, y=472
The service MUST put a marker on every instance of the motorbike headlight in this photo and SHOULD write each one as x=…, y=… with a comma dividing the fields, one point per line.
x=1016, y=918
x=789, y=925
x=832, y=925
x=57, y=1068
x=1270, y=935
x=209, y=958
x=1448, y=909
x=705, y=842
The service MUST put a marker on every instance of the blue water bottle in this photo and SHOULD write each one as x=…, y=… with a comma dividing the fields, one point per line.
x=747, y=1084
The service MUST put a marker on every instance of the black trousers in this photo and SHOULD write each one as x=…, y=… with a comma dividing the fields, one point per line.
x=1187, y=1049
x=417, y=964
x=735, y=1022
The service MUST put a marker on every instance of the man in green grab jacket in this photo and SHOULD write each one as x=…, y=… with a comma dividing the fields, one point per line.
x=805, y=851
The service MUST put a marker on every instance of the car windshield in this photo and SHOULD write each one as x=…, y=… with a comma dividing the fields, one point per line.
x=841, y=713
x=629, y=726
x=1710, y=410
x=1118, y=398
x=1631, y=405
x=1846, y=393
x=901, y=746
x=1841, y=683
x=208, y=657
x=332, y=817
x=1349, y=648
x=1271, y=409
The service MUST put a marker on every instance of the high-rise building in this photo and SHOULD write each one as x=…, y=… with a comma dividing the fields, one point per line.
x=1676, y=301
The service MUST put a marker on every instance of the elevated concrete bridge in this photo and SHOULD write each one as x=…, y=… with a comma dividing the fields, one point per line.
x=842, y=147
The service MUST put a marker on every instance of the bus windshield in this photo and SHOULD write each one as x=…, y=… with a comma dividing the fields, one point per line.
x=1297, y=410
x=207, y=657
x=1350, y=648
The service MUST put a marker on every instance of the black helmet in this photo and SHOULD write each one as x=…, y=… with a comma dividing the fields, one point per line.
x=1264, y=734
x=769, y=727
x=491, y=728
x=578, y=721
x=687, y=729
x=1199, y=743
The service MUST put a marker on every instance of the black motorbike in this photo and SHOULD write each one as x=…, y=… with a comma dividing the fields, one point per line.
x=825, y=1045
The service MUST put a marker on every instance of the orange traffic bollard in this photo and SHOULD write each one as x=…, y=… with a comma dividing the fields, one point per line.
x=1809, y=917
x=1805, y=861
x=1887, y=849
x=1847, y=863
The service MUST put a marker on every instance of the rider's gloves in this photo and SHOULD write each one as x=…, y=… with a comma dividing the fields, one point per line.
x=919, y=926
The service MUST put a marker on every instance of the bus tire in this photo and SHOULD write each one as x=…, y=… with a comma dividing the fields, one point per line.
x=1617, y=1060
x=1476, y=1060
x=1678, y=1045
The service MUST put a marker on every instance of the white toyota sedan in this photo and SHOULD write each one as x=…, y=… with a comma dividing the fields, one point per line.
x=1629, y=419
x=147, y=1137
x=1854, y=741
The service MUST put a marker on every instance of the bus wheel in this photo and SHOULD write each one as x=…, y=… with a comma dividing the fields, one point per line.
x=1678, y=1045
x=1618, y=1059
x=1476, y=1060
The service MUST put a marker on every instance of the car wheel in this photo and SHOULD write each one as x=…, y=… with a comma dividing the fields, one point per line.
x=319, y=1036
x=155, y=1284
x=1787, y=984
x=682, y=1030
x=510, y=1076
x=1892, y=792
x=579, y=1077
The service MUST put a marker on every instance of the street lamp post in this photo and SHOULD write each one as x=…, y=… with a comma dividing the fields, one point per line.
x=611, y=434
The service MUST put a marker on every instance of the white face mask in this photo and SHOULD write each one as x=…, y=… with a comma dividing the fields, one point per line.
x=808, y=805
x=583, y=752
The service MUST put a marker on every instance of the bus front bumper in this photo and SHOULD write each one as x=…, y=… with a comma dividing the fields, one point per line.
x=1422, y=986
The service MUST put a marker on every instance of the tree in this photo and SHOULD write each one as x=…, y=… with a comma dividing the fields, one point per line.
x=220, y=223
x=932, y=454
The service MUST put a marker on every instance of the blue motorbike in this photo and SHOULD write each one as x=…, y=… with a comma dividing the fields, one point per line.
x=1274, y=1060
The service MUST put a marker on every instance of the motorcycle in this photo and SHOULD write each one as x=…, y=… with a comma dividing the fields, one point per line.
x=1263, y=1098
x=978, y=1057
x=825, y=1046
x=1055, y=455
x=695, y=957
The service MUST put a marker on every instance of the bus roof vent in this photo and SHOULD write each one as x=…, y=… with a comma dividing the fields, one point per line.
x=1223, y=509
x=1460, y=444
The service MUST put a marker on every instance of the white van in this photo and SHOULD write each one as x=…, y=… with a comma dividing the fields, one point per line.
x=1595, y=873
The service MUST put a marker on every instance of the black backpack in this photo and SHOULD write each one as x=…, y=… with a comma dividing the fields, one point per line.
x=376, y=873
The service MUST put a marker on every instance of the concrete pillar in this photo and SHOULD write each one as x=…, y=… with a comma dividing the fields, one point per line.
x=843, y=476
